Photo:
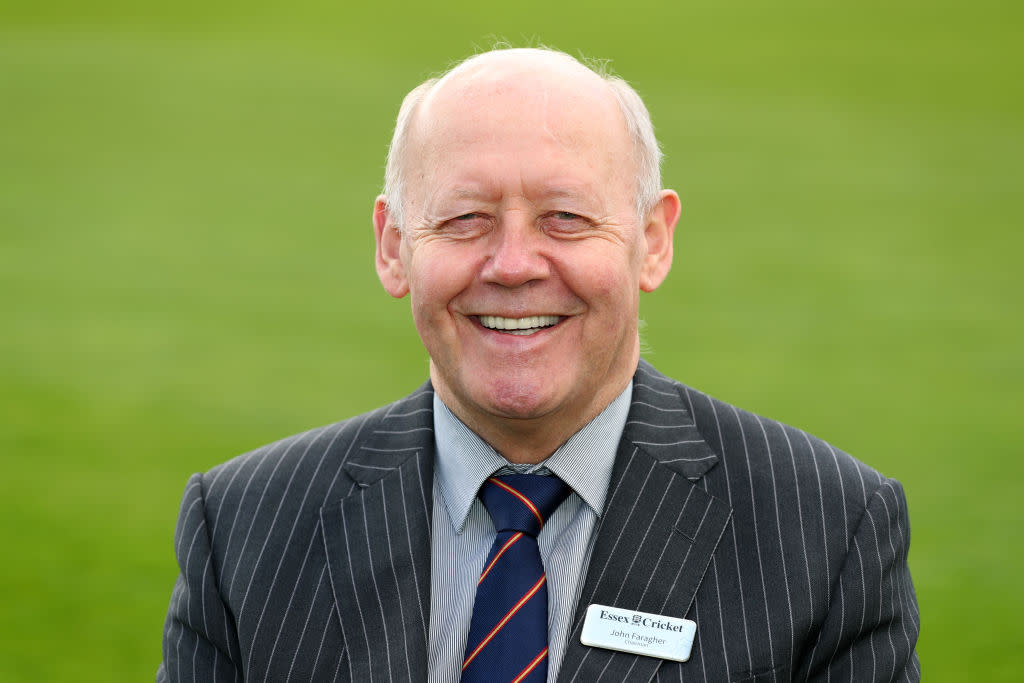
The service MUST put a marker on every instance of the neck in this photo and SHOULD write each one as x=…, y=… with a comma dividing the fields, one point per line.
x=523, y=440
x=527, y=440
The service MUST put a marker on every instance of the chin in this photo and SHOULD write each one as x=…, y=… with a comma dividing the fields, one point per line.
x=519, y=398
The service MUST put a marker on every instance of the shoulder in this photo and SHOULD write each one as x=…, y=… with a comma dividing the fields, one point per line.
x=768, y=460
x=305, y=469
x=813, y=555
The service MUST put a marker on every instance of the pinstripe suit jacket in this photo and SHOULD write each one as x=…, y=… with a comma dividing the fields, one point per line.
x=309, y=559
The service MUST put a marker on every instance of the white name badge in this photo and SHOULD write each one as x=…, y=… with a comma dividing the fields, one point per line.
x=640, y=633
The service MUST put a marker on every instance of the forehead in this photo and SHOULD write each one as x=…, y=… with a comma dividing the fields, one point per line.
x=537, y=116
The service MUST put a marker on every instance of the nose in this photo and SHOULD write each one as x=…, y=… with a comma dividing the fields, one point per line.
x=516, y=256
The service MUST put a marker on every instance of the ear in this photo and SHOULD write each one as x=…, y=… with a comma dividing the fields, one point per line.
x=661, y=226
x=390, y=268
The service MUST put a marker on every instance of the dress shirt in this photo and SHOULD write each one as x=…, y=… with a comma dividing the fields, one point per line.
x=462, y=531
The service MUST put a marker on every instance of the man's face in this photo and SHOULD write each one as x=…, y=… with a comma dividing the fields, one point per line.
x=522, y=250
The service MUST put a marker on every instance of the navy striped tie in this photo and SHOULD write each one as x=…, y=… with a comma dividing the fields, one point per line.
x=508, y=634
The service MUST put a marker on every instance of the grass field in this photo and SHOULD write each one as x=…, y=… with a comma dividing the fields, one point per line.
x=186, y=268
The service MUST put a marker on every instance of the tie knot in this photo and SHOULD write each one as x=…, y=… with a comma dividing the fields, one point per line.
x=522, y=502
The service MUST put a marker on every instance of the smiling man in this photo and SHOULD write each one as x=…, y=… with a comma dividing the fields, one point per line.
x=548, y=506
x=524, y=243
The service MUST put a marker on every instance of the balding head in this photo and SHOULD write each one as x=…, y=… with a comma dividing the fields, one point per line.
x=542, y=76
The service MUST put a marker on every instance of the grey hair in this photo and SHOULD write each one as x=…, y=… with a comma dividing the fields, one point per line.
x=638, y=124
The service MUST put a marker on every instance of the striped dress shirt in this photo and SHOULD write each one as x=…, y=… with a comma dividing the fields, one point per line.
x=462, y=530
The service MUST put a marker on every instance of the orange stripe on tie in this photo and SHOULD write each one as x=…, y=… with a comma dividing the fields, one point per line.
x=508, y=544
x=531, y=666
x=523, y=499
x=504, y=620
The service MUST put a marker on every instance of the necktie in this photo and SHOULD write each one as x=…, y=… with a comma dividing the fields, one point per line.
x=508, y=633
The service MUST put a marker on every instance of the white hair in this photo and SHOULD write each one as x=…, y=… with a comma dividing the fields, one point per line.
x=638, y=124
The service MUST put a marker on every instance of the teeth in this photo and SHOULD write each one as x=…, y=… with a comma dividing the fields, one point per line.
x=518, y=325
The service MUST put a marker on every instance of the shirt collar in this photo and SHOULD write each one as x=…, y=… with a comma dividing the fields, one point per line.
x=584, y=462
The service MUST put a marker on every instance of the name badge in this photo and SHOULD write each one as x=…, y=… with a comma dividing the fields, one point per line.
x=639, y=633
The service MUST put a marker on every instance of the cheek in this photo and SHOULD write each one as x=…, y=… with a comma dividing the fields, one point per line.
x=605, y=271
x=607, y=284
x=432, y=285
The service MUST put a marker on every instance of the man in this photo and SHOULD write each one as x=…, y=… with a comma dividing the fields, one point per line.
x=522, y=215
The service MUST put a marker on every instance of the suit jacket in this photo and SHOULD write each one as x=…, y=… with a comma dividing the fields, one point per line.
x=309, y=559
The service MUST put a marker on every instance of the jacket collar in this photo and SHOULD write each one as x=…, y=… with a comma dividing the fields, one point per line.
x=661, y=424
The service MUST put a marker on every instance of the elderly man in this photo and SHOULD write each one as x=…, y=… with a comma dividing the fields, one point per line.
x=548, y=506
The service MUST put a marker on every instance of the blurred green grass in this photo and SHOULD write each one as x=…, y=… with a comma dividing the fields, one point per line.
x=186, y=268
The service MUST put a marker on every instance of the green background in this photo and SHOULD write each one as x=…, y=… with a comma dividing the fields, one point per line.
x=186, y=267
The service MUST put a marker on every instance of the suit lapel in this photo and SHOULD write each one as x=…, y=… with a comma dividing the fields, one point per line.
x=653, y=544
x=378, y=544
x=658, y=530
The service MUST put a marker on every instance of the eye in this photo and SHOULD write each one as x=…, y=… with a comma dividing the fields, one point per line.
x=566, y=223
x=466, y=225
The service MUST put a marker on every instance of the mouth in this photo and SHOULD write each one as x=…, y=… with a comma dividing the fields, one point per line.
x=519, y=326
